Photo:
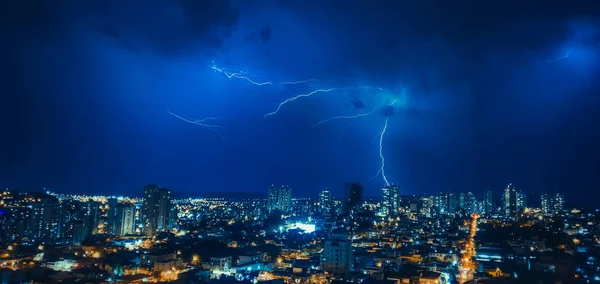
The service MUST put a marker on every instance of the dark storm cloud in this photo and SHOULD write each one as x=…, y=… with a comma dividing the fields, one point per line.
x=164, y=26
x=265, y=34
x=442, y=35
x=357, y=103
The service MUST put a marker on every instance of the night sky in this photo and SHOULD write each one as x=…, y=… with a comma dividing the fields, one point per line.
x=486, y=93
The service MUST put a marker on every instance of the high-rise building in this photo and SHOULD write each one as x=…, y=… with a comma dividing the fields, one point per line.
x=488, y=202
x=451, y=202
x=93, y=216
x=521, y=200
x=43, y=224
x=553, y=203
x=440, y=204
x=390, y=199
x=13, y=223
x=74, y=222
x=111, y=216
x=155, y=209
x=173, y=217
x=468, y=202
x=509, y=201
x=425, y=206
x=326, y=203
x=279, y=199
x=125, y=219
x=337, y=255
x=352, y=197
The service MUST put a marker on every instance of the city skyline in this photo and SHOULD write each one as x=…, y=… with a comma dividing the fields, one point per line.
x=100, y=102
x=300, y=142
x=508, y=200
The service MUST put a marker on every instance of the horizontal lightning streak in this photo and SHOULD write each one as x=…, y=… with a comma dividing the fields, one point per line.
x=353, y=116
x=299, y=82
x=199, y=122
x=289, y=100
x=561, y=57
x=345, y=117
x=238, y=75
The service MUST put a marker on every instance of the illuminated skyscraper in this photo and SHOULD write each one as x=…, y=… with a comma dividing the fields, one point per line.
x=468, y=202
x=521, y=200
x=352, y=197
x=439, y=203
x=425, y=206
x=553, y=203
x=509, y=201
x=326, y=203
x=125, y=219
x=451, y=203
x=488, y=202
x=155, y=209
x=13, y=223
x=111, y=218
x=391, y=199
x=43, y=224
x=74, y=222
x=280, y=199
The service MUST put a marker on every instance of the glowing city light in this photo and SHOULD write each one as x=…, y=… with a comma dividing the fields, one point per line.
x=307, y=228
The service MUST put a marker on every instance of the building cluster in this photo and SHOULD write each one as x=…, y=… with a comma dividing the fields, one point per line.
x=46, y=218
x=392, y=238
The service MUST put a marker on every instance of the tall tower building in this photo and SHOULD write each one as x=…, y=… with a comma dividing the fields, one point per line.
x=125, y=219
x=440, y=204
x=467, y=202
x=280, y=199
x=391, y=199
x=451, y=202
x=13, y=220
x=173, y=217
x=155, y=209
x=521, y=200
x=488, y=202
x=425, y=207
x=74, y=222
x=552, y=203
x=43, y=224
x=352, y=197
x=509, y=201
x=326, y=203
x=111, y=218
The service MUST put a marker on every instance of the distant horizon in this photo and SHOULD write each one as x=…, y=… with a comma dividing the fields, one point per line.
x=250, y=195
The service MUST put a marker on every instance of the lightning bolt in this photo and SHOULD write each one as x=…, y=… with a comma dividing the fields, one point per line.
x=199, y=122
x=354, y=116
x=291, y=99
x=375, y=176
x=299, y=82
x=237, y=75
x=345, y=117
x=382, y=169
x=561, y=57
